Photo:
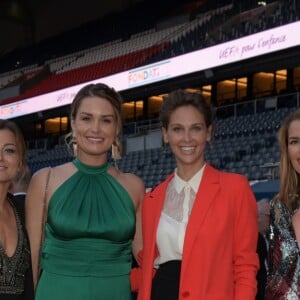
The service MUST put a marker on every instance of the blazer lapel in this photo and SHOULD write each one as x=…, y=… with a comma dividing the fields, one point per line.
x=206, y=194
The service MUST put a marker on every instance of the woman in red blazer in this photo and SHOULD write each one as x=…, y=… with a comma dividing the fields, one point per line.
x=199, y=226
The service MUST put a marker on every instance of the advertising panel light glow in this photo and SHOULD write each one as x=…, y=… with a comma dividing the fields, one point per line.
x=254, y=45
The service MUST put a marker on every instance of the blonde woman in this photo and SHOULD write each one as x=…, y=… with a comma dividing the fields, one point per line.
x=284, y=262
x=91, y=209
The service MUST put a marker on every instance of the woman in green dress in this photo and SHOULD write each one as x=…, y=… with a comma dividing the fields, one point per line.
x=92, y=209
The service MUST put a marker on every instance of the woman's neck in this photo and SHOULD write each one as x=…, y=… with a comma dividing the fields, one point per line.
x=92, y=160
x=187, y=172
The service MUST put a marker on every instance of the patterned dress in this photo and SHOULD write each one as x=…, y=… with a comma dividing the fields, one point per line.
x=284, y=257
x=15, y=271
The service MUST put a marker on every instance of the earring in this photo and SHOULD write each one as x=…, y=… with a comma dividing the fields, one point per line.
x=74, y=149
x=116, y=150
x=70, y=141
x=73, y=138
x=74, y=143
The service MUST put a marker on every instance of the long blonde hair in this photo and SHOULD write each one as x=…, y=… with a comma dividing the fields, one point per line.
x=289, y=190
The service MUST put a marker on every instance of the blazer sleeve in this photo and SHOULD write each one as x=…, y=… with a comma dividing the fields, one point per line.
x=245, y=258
x=135, y=278
x=136, y=273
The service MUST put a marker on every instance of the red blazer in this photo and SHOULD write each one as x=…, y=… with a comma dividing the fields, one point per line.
x=219, y=259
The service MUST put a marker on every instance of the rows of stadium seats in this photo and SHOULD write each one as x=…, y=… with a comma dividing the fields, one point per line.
x=250, y=138
x=120, y=48
x=100, y=61
x=230, y=25
x=118, y=55
x=87, y=73
x=235, y=147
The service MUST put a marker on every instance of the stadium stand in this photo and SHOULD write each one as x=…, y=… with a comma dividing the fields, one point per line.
x=244, y=142
x=241, y=152
x=203, y=30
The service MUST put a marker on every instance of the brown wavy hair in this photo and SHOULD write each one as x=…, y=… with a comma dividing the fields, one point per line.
x=21, y=146
x=180, y=98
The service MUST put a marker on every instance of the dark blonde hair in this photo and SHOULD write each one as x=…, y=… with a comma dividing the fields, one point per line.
x=289, y=190
x=180, y=98
x=112, y=96
x=21, y=147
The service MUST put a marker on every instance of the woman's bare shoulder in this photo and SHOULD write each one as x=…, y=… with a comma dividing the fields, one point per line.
x=63, y=168
x=131, y=182
x=39, y=175
x=128, y=178
x=55, y=176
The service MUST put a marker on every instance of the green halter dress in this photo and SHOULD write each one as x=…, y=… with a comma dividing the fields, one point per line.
x=86, y=254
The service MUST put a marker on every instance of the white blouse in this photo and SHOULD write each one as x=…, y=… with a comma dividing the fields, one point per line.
x=178, y=204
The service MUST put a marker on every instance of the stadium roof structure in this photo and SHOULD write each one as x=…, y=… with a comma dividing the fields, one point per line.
x=24, y=23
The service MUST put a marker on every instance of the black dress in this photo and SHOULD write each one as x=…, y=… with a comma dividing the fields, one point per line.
x=165, y=284
x=15, y=271
x=262, y=272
